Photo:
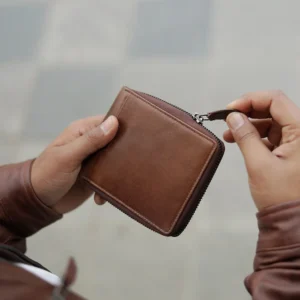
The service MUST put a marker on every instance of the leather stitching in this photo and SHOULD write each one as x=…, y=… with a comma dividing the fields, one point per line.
x=122, y=106
x=196, y=181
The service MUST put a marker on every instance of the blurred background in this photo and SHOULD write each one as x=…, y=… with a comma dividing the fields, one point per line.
x=61, y=60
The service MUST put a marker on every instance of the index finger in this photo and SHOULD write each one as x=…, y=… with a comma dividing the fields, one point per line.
x=268, y=104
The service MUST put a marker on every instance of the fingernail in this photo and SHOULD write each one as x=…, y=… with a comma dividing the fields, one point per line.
x=107, y=125
x=235, y=121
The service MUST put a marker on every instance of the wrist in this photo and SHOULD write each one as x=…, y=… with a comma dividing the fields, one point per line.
x=22, y=211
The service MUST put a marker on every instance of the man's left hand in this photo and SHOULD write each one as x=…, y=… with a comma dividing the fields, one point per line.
x=55, y=172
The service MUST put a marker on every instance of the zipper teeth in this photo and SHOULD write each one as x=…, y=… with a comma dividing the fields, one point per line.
x=216, y=165
x=218, y=140
x=210, y=177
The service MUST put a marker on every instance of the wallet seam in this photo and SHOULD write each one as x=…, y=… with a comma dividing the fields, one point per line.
x=122, y=106
x=199, y=133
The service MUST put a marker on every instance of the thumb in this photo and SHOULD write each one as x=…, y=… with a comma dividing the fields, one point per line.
x=249, y=141
x=94, y=139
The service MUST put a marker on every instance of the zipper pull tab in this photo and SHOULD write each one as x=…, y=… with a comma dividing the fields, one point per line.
x=212, y=116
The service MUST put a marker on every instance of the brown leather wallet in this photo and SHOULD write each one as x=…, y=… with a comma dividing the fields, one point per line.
x=160, y=163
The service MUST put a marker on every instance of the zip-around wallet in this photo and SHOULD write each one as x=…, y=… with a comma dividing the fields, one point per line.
x=159, y=165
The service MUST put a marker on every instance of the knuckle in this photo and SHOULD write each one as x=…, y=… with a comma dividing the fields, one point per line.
x=76, y=123
x=93, y=137
x=297, y=133
x=245, y=96
x=291, y=132
x=81, y=127
x=242, y=137
x=290, y=128
x=82, y=130
x=278, y=94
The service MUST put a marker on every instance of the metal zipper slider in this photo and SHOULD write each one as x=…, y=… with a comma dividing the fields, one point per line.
x=215, y=115
x=200, y=118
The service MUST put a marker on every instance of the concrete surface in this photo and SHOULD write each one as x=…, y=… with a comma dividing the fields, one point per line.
x=66, y=59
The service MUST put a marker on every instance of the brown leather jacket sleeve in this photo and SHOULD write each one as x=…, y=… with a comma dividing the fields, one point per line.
x=21, y=212
x=277, y=263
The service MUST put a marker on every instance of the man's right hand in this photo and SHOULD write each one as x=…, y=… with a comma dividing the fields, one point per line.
x=270, y=144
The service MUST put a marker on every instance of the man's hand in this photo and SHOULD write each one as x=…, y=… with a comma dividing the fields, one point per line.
x=270, y=144
x=54, y=173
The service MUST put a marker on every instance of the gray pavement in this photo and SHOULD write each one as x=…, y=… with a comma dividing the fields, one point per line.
x=66, y=59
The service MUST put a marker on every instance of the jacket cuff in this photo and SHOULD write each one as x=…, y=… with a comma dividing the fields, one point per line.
x=21, y=211
x=279, y=226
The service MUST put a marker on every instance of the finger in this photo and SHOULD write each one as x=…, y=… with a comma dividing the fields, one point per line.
x=262, y=126
x=98, y=200
x=249, y=141
x=269, y=145
x=228, y=137
x=275, y=134
x=78, y=128
x=92, y=140
x=268, y=104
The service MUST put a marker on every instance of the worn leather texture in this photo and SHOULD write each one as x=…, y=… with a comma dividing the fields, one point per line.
x=159, y=164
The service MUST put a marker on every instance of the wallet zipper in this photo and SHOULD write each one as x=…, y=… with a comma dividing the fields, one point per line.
x=199, y=119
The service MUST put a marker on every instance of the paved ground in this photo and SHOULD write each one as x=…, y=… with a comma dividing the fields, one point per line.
x=67, y=59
